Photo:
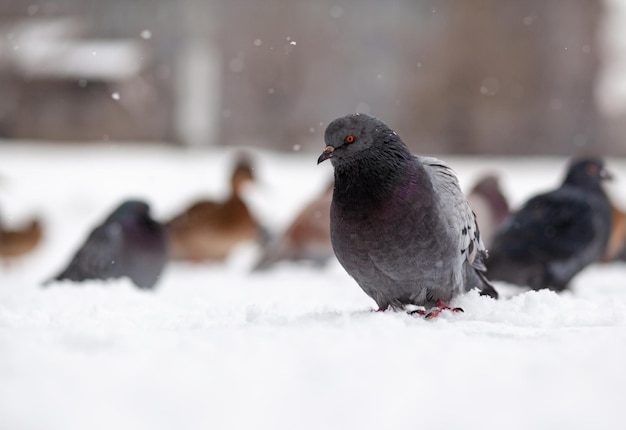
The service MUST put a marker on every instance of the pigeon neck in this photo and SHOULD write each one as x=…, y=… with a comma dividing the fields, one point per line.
x=374, y=179
x=586, y=184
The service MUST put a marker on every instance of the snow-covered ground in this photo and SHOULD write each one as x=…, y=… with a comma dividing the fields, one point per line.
x=214, y=347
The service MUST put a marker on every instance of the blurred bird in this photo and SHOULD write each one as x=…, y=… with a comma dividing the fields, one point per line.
x=399, y=223
x=15, y=243
x=490, y=206
x=616, y=248
x=307, y=238
x=128, y=243
x=557, y=234
x=210, y=230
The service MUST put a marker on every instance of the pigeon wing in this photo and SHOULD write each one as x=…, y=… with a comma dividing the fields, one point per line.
x=456, y=211
x=458, y=221
x=556, y=225
x=98, y=257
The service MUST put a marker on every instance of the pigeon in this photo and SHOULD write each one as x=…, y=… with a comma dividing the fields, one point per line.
x=490, y=206
x=306, y=239
x=128, y=243
x=399, y=223
x=209, y=230
x=15, y=243
x=555, y=235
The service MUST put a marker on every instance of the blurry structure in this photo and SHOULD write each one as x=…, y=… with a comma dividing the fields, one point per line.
x=15, y=243
x=465, y=76
x=490, y=206
x=307, y=238
x=611, y=81
x=66, y=77
x=210, y=230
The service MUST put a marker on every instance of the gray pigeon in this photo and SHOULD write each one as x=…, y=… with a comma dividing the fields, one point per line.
x=128, y=243
x=400, y=224
x=555, y=235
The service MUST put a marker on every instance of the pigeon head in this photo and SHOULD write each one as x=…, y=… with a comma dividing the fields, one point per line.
x=588, y=172
x=130, y=209
x=357, y=136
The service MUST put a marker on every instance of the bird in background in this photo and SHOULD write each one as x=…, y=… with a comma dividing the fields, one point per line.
x=555, y=235
x=489, y=205
x=129, y=243
x=18, y=242
x=306, y=239
x=616, y=248
x=210, y=230
x=399, y=223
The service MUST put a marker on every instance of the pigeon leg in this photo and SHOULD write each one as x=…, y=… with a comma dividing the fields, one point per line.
x=441, y=306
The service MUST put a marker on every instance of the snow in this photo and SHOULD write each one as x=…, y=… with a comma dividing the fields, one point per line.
x=293, y=348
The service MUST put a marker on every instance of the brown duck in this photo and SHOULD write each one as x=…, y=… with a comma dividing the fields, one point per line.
x=489, y=205
x=616, y=248
x=15, y=243
x=209, y=230
x=307, y=238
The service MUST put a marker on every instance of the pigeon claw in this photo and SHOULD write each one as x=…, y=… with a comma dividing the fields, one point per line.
x=434, y=312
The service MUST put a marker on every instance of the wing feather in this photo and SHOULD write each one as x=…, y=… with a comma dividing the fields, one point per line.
x=458, y=214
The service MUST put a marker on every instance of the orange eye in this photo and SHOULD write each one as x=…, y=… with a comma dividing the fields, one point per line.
x=349, y=139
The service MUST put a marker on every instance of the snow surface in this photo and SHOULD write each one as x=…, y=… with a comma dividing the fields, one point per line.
x=215, y=347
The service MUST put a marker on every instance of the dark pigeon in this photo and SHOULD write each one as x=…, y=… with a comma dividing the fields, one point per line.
x=128, y=243
x=557, y=234
x=400, y=224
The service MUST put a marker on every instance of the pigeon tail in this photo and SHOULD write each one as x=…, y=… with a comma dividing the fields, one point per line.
x=488, y=288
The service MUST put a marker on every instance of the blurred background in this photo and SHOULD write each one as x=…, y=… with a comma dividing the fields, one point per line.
x=452, y=76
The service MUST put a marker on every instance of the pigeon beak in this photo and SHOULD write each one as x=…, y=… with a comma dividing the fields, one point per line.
x=328, y=153
x=605, y=175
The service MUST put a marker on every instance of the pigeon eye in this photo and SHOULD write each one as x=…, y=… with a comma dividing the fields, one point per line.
x=349, y=139
x=592, y=170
